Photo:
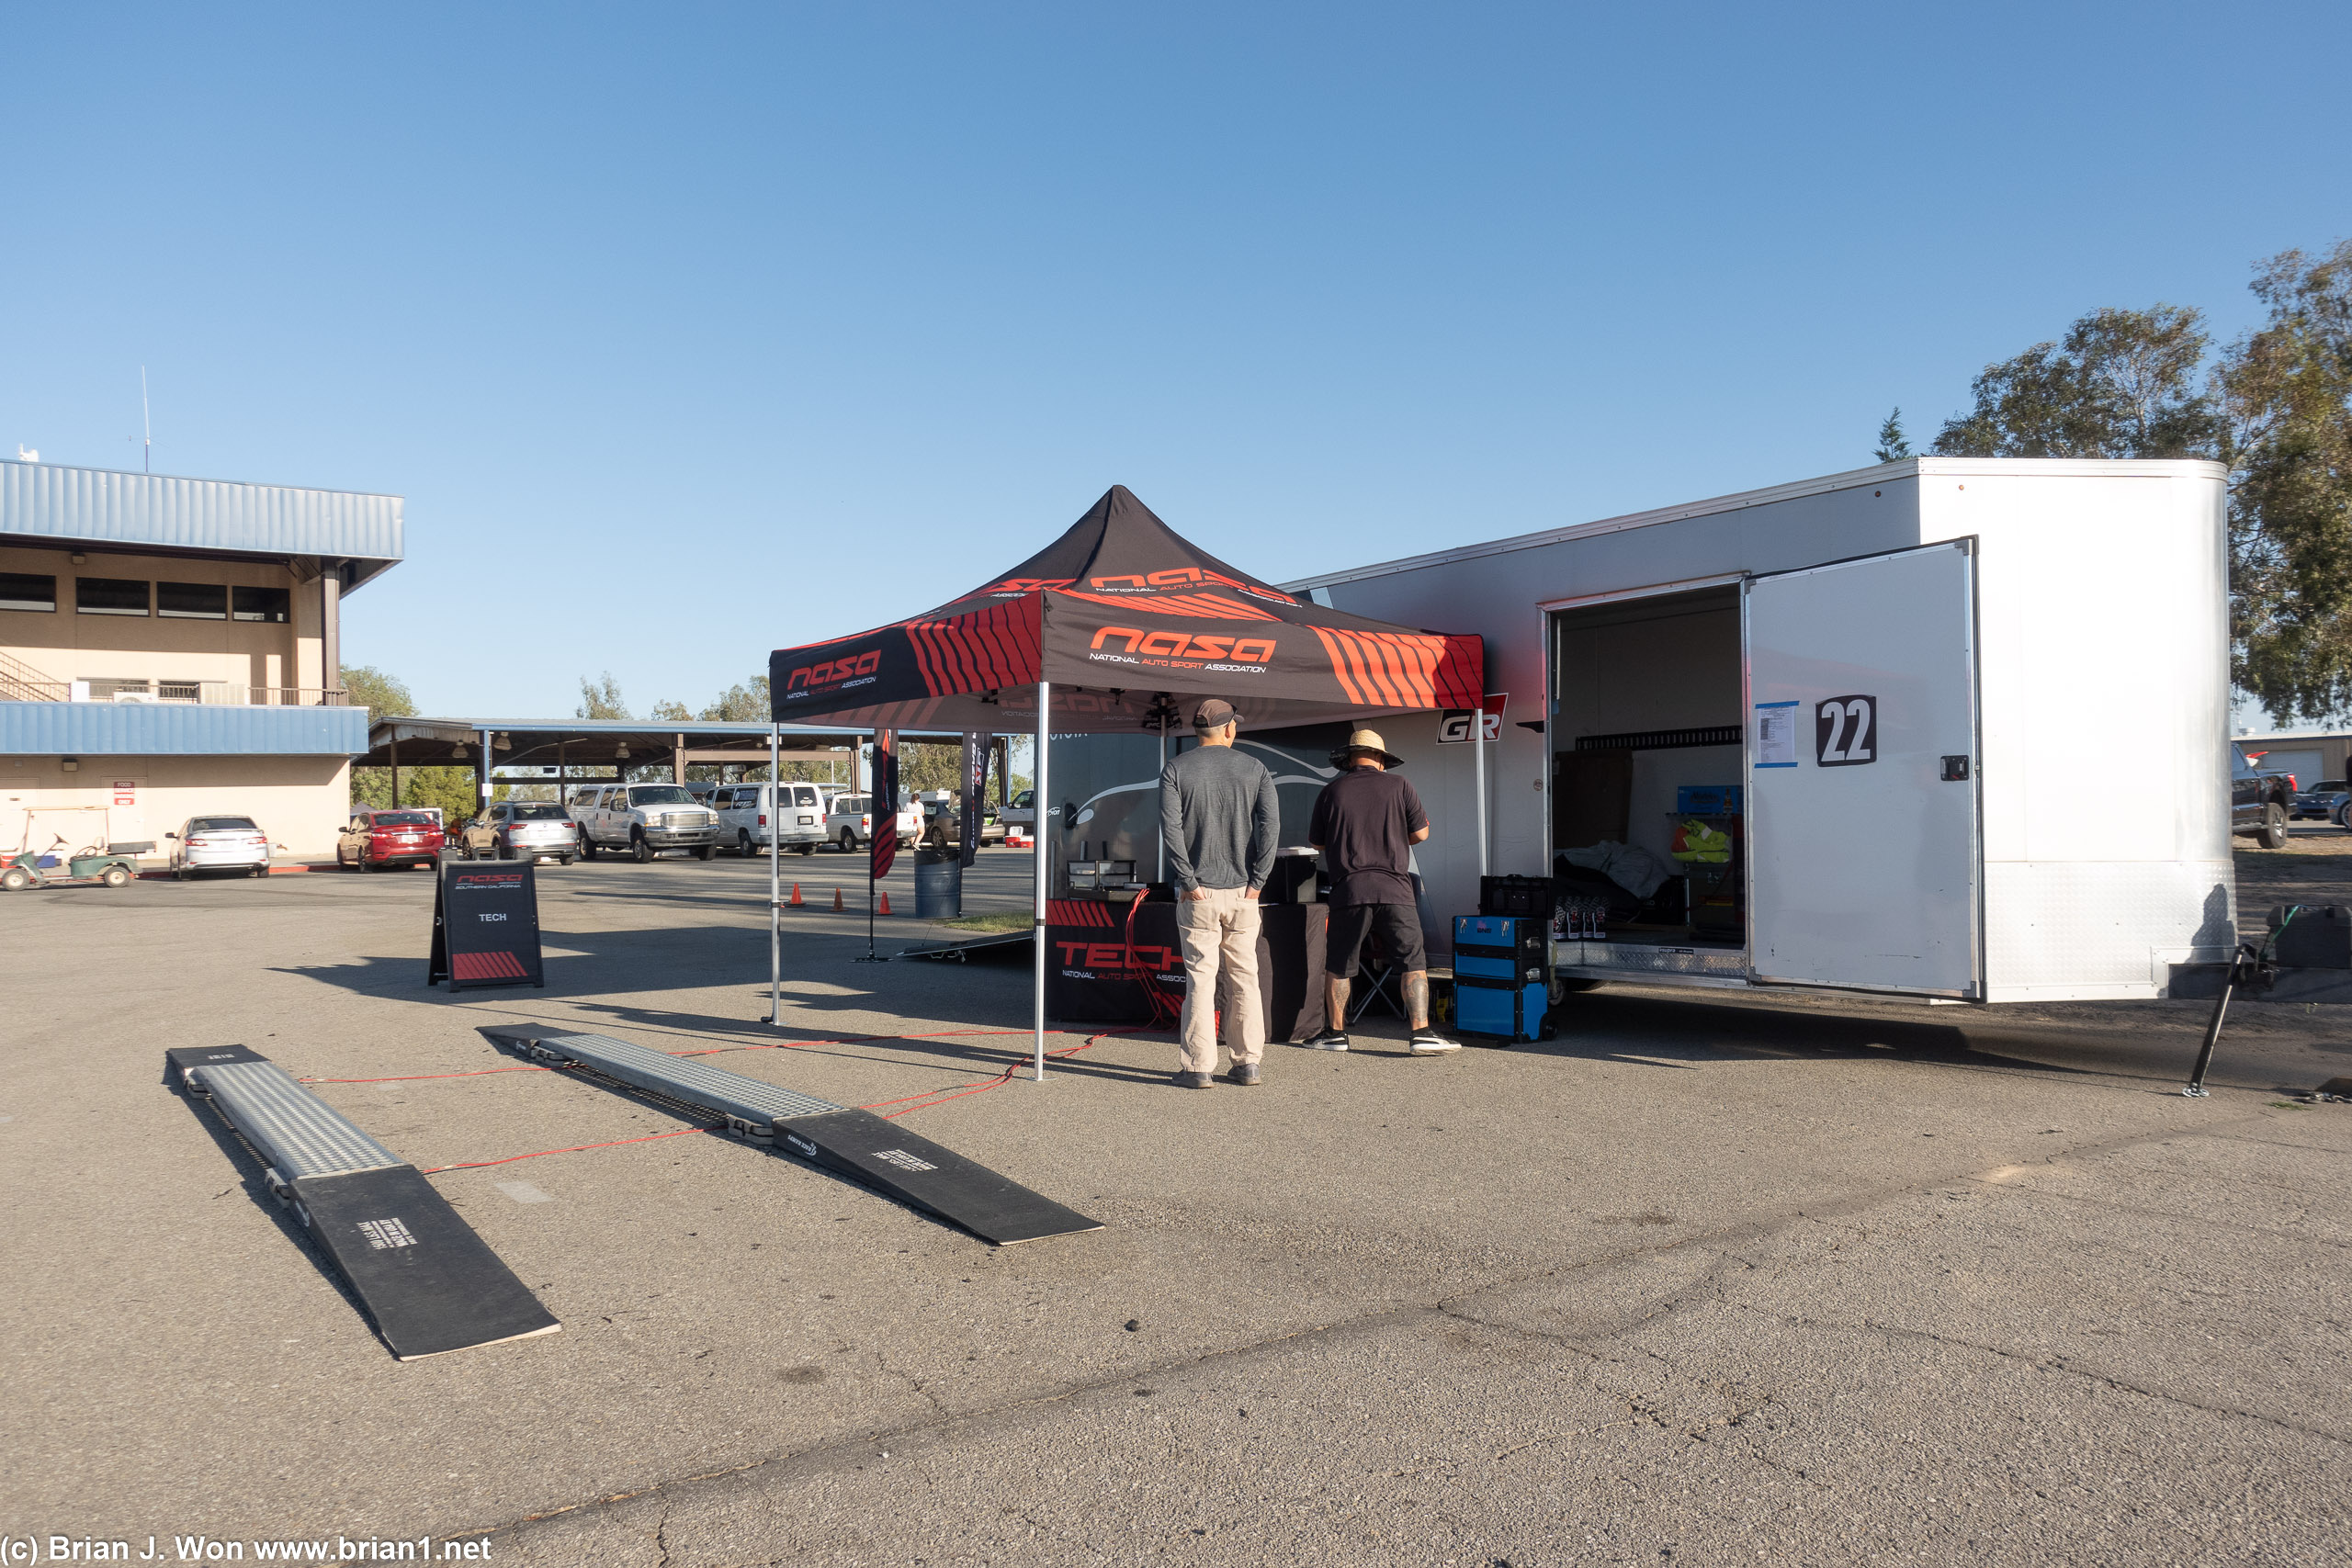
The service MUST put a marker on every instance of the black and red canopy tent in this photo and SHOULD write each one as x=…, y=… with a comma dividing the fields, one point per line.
x=1121, y=624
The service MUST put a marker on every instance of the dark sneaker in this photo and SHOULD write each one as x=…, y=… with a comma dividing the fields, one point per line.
x=1327, y=1040
x=1429, y=1043
x=1190, y=1080
x=1243, y=1073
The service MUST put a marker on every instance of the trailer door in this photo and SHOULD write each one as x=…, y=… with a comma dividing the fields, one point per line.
x=1862, y=812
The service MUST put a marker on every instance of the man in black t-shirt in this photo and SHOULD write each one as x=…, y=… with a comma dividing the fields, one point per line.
x=1366, y=823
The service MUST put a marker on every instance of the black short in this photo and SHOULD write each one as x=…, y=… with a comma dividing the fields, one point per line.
x=1399, y=926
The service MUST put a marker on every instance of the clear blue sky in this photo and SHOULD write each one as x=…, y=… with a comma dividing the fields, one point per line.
x=732, y=328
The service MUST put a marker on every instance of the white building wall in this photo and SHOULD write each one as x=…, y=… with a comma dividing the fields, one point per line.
x=301, y=802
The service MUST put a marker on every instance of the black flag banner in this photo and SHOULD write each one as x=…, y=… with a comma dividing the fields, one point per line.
x=972, y=805
x=884, y=804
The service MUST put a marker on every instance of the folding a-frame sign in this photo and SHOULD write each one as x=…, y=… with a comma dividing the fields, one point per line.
x=1121, y=625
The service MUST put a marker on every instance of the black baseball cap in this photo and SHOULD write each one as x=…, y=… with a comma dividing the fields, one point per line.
x=1215, y=713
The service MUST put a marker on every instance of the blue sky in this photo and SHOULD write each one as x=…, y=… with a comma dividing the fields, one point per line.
x=724, y=328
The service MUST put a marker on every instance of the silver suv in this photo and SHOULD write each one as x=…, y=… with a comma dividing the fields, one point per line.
x=519, y=828
x=644, y=820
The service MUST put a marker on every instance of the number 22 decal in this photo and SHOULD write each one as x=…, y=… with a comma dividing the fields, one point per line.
x=1844, y=731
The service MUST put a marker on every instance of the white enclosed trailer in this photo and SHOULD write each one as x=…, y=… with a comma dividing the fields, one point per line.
x=1919, y=674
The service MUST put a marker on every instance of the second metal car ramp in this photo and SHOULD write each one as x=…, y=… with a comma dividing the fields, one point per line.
x=856, y=1144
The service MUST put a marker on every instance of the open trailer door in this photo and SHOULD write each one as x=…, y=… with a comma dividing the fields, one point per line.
x=1861, y=815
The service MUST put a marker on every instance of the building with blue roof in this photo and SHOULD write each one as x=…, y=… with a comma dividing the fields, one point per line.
x=171, y=648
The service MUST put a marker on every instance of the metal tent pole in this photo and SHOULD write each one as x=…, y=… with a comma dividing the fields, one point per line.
x=1162, y=873
x=1044, y=851
x=775, y=879
x=1478, y=772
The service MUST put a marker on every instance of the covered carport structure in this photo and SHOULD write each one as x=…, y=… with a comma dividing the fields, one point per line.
x=585, y=750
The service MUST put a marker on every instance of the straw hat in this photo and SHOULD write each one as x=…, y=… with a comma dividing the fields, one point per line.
x=1367, y=742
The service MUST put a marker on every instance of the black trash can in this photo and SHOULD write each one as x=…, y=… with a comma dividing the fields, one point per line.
x=939, y=885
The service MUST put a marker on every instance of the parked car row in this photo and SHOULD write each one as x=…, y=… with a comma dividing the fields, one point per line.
x=641, y=820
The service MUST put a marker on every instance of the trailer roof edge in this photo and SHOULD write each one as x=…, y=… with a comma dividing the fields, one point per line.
x=1878, y=473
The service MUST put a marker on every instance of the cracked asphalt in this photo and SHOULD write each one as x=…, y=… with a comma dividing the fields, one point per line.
x=1708, y=1279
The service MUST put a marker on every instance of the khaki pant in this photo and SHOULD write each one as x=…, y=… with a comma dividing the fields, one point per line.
x=1220, y=929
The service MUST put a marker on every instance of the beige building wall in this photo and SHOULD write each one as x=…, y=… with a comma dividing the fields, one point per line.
x=66, y=644
x=301, y=802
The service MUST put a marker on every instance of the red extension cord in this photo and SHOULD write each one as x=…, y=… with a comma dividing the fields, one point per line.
x=923, y=1101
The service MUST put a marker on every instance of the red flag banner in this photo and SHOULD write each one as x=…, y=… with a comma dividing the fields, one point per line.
x=885, y=803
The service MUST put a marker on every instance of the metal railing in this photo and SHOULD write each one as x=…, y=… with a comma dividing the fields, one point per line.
x=20, y=682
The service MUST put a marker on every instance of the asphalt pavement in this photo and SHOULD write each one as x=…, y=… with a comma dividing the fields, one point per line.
x=1710, y=1278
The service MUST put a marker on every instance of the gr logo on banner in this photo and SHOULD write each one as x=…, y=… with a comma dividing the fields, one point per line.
x=1454, y=727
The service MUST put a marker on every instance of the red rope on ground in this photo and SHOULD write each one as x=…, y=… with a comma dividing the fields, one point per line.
x=712, y=1050
x=927, y=1098
x=576, y=1149
x=418, y=1078
x=930, y=1098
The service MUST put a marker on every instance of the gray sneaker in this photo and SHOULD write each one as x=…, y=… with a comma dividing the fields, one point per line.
x=1243, y=1073
x=1190, y=1080
x=1429, y=1043
x=1327, y=1040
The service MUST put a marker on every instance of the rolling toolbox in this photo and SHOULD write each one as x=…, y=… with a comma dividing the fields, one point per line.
x=1502, y=977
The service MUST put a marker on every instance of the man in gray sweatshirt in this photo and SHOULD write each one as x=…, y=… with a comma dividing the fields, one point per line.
x=1220, y=822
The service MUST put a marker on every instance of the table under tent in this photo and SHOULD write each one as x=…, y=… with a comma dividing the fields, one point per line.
x=1119, y=627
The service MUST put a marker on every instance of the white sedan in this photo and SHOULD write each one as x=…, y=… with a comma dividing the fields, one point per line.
x=219, y=843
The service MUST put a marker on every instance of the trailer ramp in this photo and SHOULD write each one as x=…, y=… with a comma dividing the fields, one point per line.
x=899, y=1163
x=429, y=1282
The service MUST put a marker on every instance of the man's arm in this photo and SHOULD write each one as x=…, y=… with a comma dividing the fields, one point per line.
x=1265, y=830
x=1171, y=835
x=1417, y=821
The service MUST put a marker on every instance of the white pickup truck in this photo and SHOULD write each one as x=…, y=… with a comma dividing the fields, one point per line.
x=644, y=820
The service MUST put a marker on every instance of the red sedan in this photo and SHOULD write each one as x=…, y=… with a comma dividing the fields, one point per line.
x=389, y=838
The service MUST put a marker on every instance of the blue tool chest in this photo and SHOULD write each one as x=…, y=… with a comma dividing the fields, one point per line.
x=1502, y=973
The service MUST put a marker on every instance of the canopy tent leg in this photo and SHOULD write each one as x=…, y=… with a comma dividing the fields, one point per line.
x=1162, y=873
x=1478, y=773
x=775, y=877
x=1042, y=852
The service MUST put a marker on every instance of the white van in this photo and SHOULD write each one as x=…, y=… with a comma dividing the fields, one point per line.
x=744, y=811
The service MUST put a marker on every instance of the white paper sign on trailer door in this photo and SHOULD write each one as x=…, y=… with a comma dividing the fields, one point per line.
x=1861, y=792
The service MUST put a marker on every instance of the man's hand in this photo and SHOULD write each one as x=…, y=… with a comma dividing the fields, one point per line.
x=1197, y=896
x=1253, y=893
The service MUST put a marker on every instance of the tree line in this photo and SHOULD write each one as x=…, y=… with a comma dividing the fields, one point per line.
x=2274, y=406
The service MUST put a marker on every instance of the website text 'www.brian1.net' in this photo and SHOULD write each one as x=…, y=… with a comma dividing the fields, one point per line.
x=16, y=1549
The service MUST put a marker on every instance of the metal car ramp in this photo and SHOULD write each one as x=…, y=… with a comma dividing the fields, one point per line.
x=856, y=1144
x=427, y=1279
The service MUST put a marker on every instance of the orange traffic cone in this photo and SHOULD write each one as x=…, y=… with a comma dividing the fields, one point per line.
x=837, y=901
x=886, y=905
x=796, y=895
